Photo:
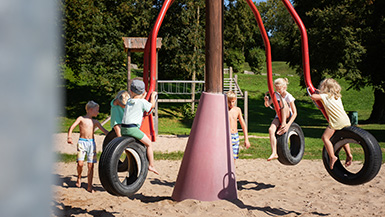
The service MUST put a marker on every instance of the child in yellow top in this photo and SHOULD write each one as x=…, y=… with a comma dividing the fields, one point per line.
x=234, y=114
x=86, y=144
x=330, y=96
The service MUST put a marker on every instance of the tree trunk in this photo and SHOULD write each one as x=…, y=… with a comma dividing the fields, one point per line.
x=378, y=112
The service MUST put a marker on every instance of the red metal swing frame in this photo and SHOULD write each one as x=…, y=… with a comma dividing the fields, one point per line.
x=305, y=54
x=149, y=69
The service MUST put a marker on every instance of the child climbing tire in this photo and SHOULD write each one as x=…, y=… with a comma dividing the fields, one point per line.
x=372, y=152
x=291, y=145
x=122, y=165
x=127, y=182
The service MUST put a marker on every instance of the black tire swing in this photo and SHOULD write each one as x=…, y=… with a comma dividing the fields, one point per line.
x=372, y=152
x=290, y=145
x=122, y=165
x=123, y=183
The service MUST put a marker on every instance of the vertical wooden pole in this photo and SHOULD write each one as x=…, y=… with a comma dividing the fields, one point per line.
x=214, y=46
x=246, y=108
x=231, y=77
x=128, y=68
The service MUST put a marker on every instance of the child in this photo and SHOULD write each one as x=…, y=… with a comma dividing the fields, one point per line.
x=330, y=96
x=133, y=115
x=86, y=143
x=288, y=111
x=117, y=110
x=234, y=114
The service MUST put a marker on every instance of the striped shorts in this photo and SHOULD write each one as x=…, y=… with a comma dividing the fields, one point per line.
x=235, y=144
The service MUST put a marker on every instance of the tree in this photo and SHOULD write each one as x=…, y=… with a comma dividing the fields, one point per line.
x=277, y=22
x=346, y=39
x=182, y=55
x=94, y=57
x=241, y=33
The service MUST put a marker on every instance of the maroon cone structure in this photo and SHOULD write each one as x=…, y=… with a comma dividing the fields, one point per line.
x=207, y=169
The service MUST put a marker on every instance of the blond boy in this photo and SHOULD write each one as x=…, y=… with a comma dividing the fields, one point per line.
x=86, y=144
x=235, y=114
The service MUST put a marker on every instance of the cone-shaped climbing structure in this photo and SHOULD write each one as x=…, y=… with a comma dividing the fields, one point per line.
x=206, y=172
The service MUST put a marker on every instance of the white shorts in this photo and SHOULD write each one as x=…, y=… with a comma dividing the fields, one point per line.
x=86, y=147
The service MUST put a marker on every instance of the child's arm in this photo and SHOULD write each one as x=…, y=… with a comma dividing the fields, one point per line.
x=267, y=101
x=96, y=122
x=244, y=128
x=291, y=120
x=72, y=127
x=117, y=130
x=315, y=97
x=152, y=99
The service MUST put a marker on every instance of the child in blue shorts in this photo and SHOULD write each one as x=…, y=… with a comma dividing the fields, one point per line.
x=235, y=114
x=86, y=144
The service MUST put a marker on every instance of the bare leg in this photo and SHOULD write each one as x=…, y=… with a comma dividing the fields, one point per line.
x=90, y=176
x=328, y=133
x=349, y=156
x=150, y=154
x=285, y=115
x=80, y=169
x=273, y=141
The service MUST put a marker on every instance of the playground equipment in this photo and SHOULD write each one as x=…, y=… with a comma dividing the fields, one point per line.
x=115, y=177
x=206, y=172
x=290, y=145
x=352, y=135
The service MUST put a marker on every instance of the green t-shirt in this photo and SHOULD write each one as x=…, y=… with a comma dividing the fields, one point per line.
x=116, y=114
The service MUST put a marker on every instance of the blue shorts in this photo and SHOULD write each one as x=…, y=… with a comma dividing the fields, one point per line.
x=86, y=147
x=235, y=144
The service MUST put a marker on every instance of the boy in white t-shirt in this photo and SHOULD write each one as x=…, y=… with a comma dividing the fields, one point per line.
x=133, y=115
x=330, y=96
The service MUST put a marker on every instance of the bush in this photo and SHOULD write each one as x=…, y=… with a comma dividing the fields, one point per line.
x=235, y=59
x=256, y=60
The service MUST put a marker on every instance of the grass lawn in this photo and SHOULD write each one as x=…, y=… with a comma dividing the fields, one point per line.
x=171, y=120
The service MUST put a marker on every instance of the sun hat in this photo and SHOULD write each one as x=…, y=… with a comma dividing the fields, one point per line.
x=137, y=87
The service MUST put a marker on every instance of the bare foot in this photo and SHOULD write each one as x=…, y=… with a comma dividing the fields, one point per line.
x=91, y=190
x=332, y=161
x=348, y=161
x=272, y=157
x=152, y=169
x=78, y=184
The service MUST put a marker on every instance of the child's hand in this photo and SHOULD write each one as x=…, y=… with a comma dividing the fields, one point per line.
x=247, y=144
x=69, y=140
x=283, y=129
x=154, y=93
x=266, y=98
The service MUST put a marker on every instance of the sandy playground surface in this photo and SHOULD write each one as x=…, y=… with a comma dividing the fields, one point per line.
x=264, y=189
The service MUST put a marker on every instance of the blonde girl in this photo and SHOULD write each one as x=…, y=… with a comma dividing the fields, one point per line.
x=288, y=111
x=330, y=96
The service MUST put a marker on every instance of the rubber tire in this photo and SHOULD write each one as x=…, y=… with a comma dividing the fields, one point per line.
x=372, y=150
x=122, y=165
x=137, y=169
x=294, y=154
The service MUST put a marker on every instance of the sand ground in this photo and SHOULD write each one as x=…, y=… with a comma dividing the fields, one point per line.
x=264, y=189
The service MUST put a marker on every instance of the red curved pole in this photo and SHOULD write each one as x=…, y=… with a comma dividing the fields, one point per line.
x=268, y=56
x=305, y=52
x=146, y=61
x=153, y=36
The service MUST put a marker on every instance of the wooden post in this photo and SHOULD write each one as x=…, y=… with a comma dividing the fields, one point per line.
x=214, y=46
x=231, y=77
x=246, y=108
x=128, y=68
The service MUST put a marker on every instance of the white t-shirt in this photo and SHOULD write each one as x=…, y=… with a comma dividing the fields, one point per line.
x=133, y=113
x=338, y=118
x=288, y=98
